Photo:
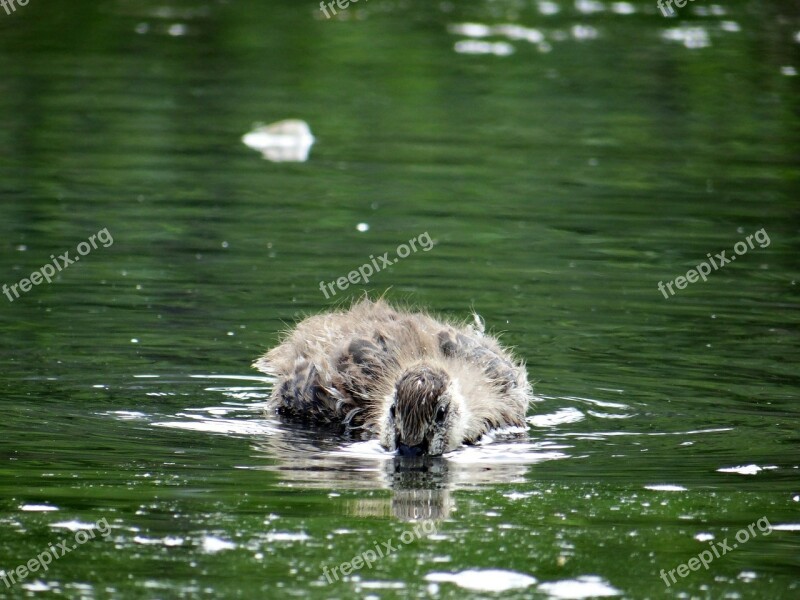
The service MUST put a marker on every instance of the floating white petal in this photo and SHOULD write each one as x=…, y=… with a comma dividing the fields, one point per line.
x=284, y=141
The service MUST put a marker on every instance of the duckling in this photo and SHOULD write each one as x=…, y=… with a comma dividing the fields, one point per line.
x=422, y=386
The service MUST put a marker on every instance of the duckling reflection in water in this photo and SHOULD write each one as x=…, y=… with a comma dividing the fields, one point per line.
x=421, y=385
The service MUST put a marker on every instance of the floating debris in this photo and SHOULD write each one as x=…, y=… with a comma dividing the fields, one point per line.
x=285, y=141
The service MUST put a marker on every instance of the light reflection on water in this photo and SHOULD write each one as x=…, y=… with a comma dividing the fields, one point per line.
x=321, y=460
x=422, y=489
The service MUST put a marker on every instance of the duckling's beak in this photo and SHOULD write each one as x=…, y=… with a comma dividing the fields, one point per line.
x=412, y=451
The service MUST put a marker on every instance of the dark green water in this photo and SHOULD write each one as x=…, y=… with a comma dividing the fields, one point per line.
x=612, y=149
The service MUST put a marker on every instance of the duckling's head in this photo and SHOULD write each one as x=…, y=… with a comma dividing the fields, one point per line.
x=424, y=415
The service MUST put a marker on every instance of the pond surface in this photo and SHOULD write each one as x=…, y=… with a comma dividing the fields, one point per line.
x=563, y=158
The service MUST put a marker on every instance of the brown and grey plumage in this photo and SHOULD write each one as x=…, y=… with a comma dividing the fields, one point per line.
x=423, y=386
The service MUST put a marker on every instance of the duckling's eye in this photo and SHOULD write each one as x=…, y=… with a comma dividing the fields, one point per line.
x=441, y=413
x=392, y=412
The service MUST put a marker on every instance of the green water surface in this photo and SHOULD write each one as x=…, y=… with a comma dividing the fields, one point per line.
x=561, y=169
